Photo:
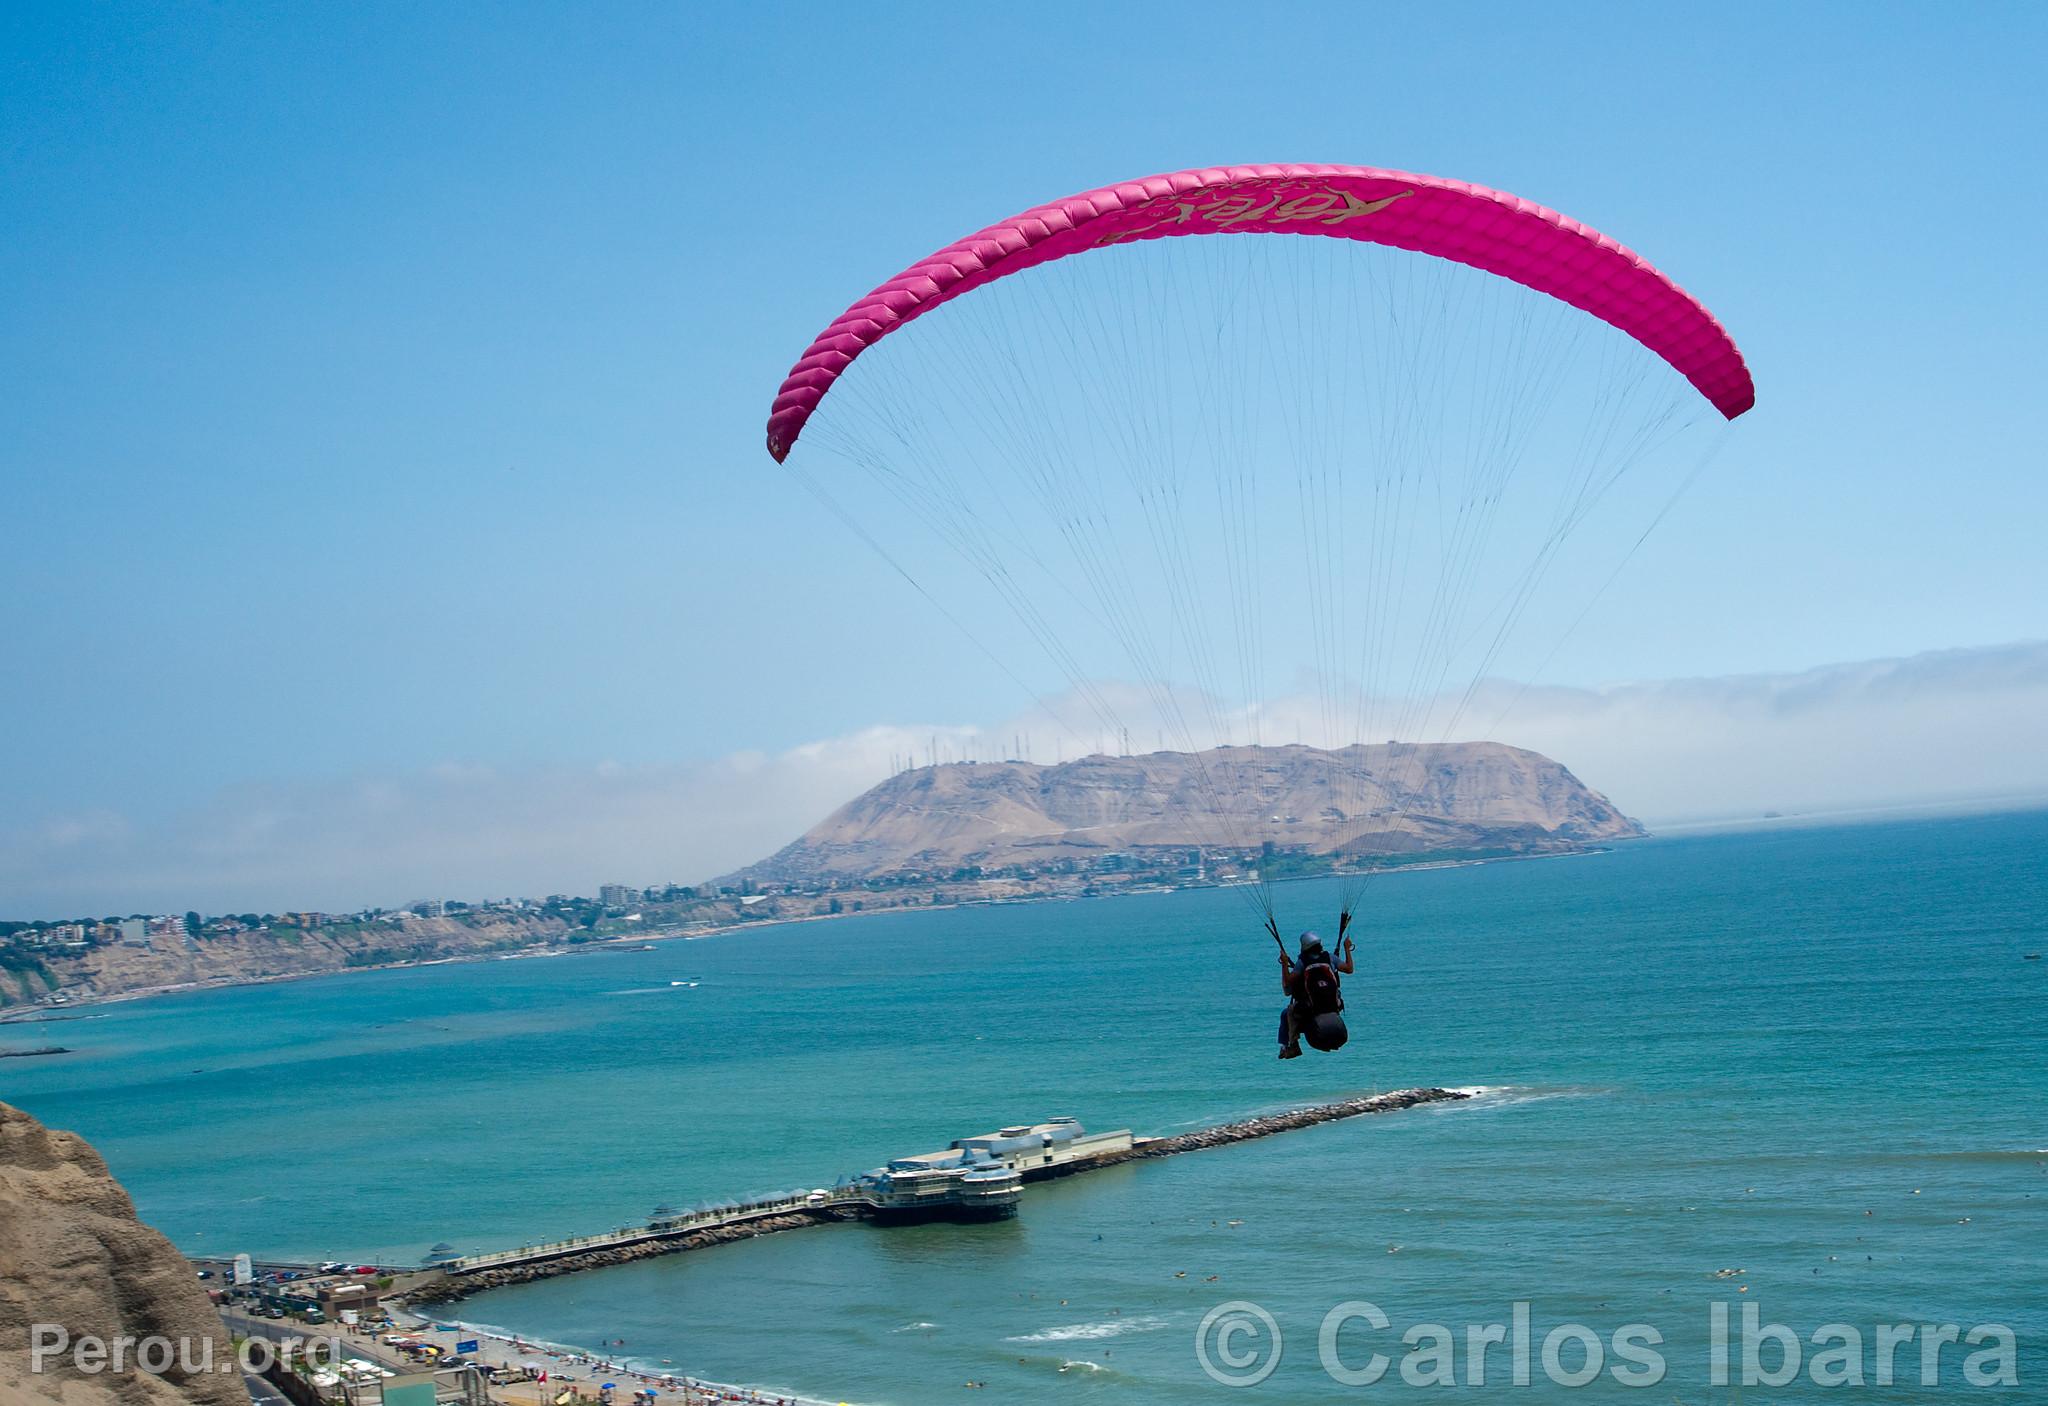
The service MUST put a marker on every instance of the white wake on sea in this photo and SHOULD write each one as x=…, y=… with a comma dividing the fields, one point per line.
x=1506, y=1096
x=1088, y=1332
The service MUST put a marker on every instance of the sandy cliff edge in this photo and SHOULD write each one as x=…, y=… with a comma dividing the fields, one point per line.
x=73, y=1254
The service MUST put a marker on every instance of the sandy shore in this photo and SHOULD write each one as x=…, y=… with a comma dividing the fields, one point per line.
x=582, y=1372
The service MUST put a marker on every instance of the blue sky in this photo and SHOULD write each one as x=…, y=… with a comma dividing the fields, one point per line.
x=383, y=385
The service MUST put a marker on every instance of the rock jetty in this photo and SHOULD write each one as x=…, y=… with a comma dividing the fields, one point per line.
x=1223, y=1134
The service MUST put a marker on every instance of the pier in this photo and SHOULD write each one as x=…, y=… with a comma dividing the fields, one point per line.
x=1244, y=1130
x=977, y=1178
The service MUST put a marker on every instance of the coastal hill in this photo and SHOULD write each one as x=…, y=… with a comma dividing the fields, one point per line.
x=1383, y=800
x=78, y=1258
x=959, y=833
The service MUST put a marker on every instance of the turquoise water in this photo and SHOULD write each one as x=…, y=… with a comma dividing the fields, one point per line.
x=1808, y=1054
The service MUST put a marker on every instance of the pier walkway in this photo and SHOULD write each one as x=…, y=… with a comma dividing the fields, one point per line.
x=460, y=1276
x=839, y=1203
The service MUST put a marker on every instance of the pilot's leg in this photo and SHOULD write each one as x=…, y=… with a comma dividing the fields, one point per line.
x=1290, y=1036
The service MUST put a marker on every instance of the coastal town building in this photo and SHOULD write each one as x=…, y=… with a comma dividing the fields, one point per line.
x=359, y=1298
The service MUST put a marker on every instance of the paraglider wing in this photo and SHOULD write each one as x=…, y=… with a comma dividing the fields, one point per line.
x=1455, y=220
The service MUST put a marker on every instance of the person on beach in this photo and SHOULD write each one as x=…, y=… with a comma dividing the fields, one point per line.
x=1315, y=999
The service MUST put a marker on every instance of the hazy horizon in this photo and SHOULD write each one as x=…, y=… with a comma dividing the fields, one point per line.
x=1948, y=726
x=385, y=389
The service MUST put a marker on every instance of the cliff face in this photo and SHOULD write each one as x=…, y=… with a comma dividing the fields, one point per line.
x=73, y=1254
x=254, y=956
x=1363, y=800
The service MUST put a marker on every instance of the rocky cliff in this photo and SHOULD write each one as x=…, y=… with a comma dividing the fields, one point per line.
x=73, y=1255
x=266, y=953
x=1362, y=801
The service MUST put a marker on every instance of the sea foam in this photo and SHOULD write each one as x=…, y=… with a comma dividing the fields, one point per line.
x=1088, y=1332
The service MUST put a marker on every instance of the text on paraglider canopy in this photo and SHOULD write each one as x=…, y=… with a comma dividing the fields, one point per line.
x=1242, y=203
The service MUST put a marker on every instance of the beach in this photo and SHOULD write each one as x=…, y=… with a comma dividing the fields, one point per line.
x=554, y=1368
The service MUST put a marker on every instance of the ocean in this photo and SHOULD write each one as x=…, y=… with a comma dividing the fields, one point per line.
x=1800, y=1071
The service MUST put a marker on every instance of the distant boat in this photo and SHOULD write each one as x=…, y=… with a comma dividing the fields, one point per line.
x=684, y=983
x=2032, y=957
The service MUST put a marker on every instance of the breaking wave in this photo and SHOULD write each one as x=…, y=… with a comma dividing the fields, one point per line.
x=1089, y=1332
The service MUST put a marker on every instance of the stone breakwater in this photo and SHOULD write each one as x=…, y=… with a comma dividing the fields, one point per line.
x=1224, y=1134
x=448, y=1288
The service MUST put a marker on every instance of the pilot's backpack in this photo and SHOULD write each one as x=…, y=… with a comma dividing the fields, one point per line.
x=1319, y=991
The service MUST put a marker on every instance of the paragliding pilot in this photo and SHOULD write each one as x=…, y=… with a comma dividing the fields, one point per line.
x=1315, y=1000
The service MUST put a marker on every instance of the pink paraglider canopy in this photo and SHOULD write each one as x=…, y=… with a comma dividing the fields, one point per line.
x=1469, y=224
